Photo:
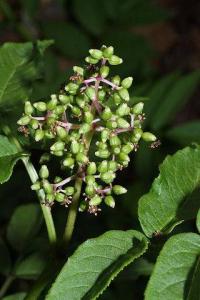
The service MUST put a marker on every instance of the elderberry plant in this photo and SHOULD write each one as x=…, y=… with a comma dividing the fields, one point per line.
x=92, y=128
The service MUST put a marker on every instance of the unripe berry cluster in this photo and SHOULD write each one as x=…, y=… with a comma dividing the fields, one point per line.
x=92, y=129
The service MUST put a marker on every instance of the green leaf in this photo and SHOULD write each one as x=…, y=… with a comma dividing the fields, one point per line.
x=91, y=15
x=17, y=296
x=20, y=66
x=69, y=39
x=179, y=177
x=24, y=225
x=194, y=290
x=5, y=261
x=175, y=266
x=95, y=264
x=175, y=99
x=9, y=155
x=31, y=267
x=185, y=133
x=198, y=221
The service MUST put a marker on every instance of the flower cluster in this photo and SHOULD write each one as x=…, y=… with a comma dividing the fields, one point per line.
x=92, y=129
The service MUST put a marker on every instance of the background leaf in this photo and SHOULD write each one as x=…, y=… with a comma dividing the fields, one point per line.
x=95, y=263
x=185, y=133
x=9, y=155
x=17, y=296
x=179, y=176
x=24, y=225
x=5, y=260
x=174, y=269
x=198, y=221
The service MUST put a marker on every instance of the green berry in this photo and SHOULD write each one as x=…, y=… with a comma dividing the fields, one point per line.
x=127, y=82
x=40, y=106
x=102, y=153
x=119, y=190
x=115, y=141
x=96, y=200
x=36, y=186
x=39, y=135
x=48, y=188
x=136, y=136
x=89, y=179
x=105, y=135
x=101, y=95
x=123, y=157
x=116, y=150
x=76, y=111
x=78, y=70
x=44, y=172
x=60, y=197
x=50, y=197
x=111, y=124
x=124, y=94
x=103, y=166
x=85, y=128
x=75, y=147
x=34, y=124
x=90, y=190
x=116, y=80
x=82, y=206
x=28, y=108
x=95, y=53
x=61, y=132
x=91, y=169
x=110, y=201
x=59, y=110
x=149, y=137
x=104, y=71
x=127, y=148
x=88, y=117
x=51, y=105
x=25, y=120
x=112, y=166
x=72, y=88
x=115, y=60
x=90, y=92
x=122, y=123
x=64, y=99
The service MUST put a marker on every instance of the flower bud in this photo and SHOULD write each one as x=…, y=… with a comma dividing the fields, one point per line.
x=39, y=135
x=102, y=145
x=69, y=190
x=105, y=135
x=25, y=120
x=76, y=111
x=101, y=95
x=40, y=106
x=81, y=158
x=91, y=60
x=122, y=123
x=48, y=134
x=104, y=71
x=123, y=110
x=123, y=157
x=82, y=206
x=50, y=197
x=91, y=169
x=72, y=88
x=48, y=188
x=119, y=190
x=28, y=108
x=61, y=132
x=108, y=52
x=64, y=99
x=57, y=153
x=58, y=146
x=68, y=162
x=44, y=158
x=36, y=186
x=115, y=141
x=103, y=166
x=106, y=114
x=95, y=53
x=78, y=70
x=60, y=197
x=127, y=82
x=51, y=105
x=90, y=190
x=127, y=148
x=44, y=172
x=107, y=177
x=117, y=99
x=96, y=200
x=85, y=128
x=124, y=94
x=34, y=124
x=116, y=80
x=149, y=137
x=88, y=117
x=137, y=133
x=111, y=124
x=116, y=150
x=138, y=108
x=90, y=92
x=75, y=147
x=57, y=179
x=89, y=179
x=102, y=153
x=112, y=166
x=80, y=100
x=59, y=110
x=110, y=201
x=115, y=60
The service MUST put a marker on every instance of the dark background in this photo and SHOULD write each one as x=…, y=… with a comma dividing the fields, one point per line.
x=160, y=44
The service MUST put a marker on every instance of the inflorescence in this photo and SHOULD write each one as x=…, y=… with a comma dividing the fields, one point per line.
x=92, y=129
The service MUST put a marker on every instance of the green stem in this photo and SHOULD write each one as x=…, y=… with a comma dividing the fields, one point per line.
x=6, y=285
x=41, y=196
